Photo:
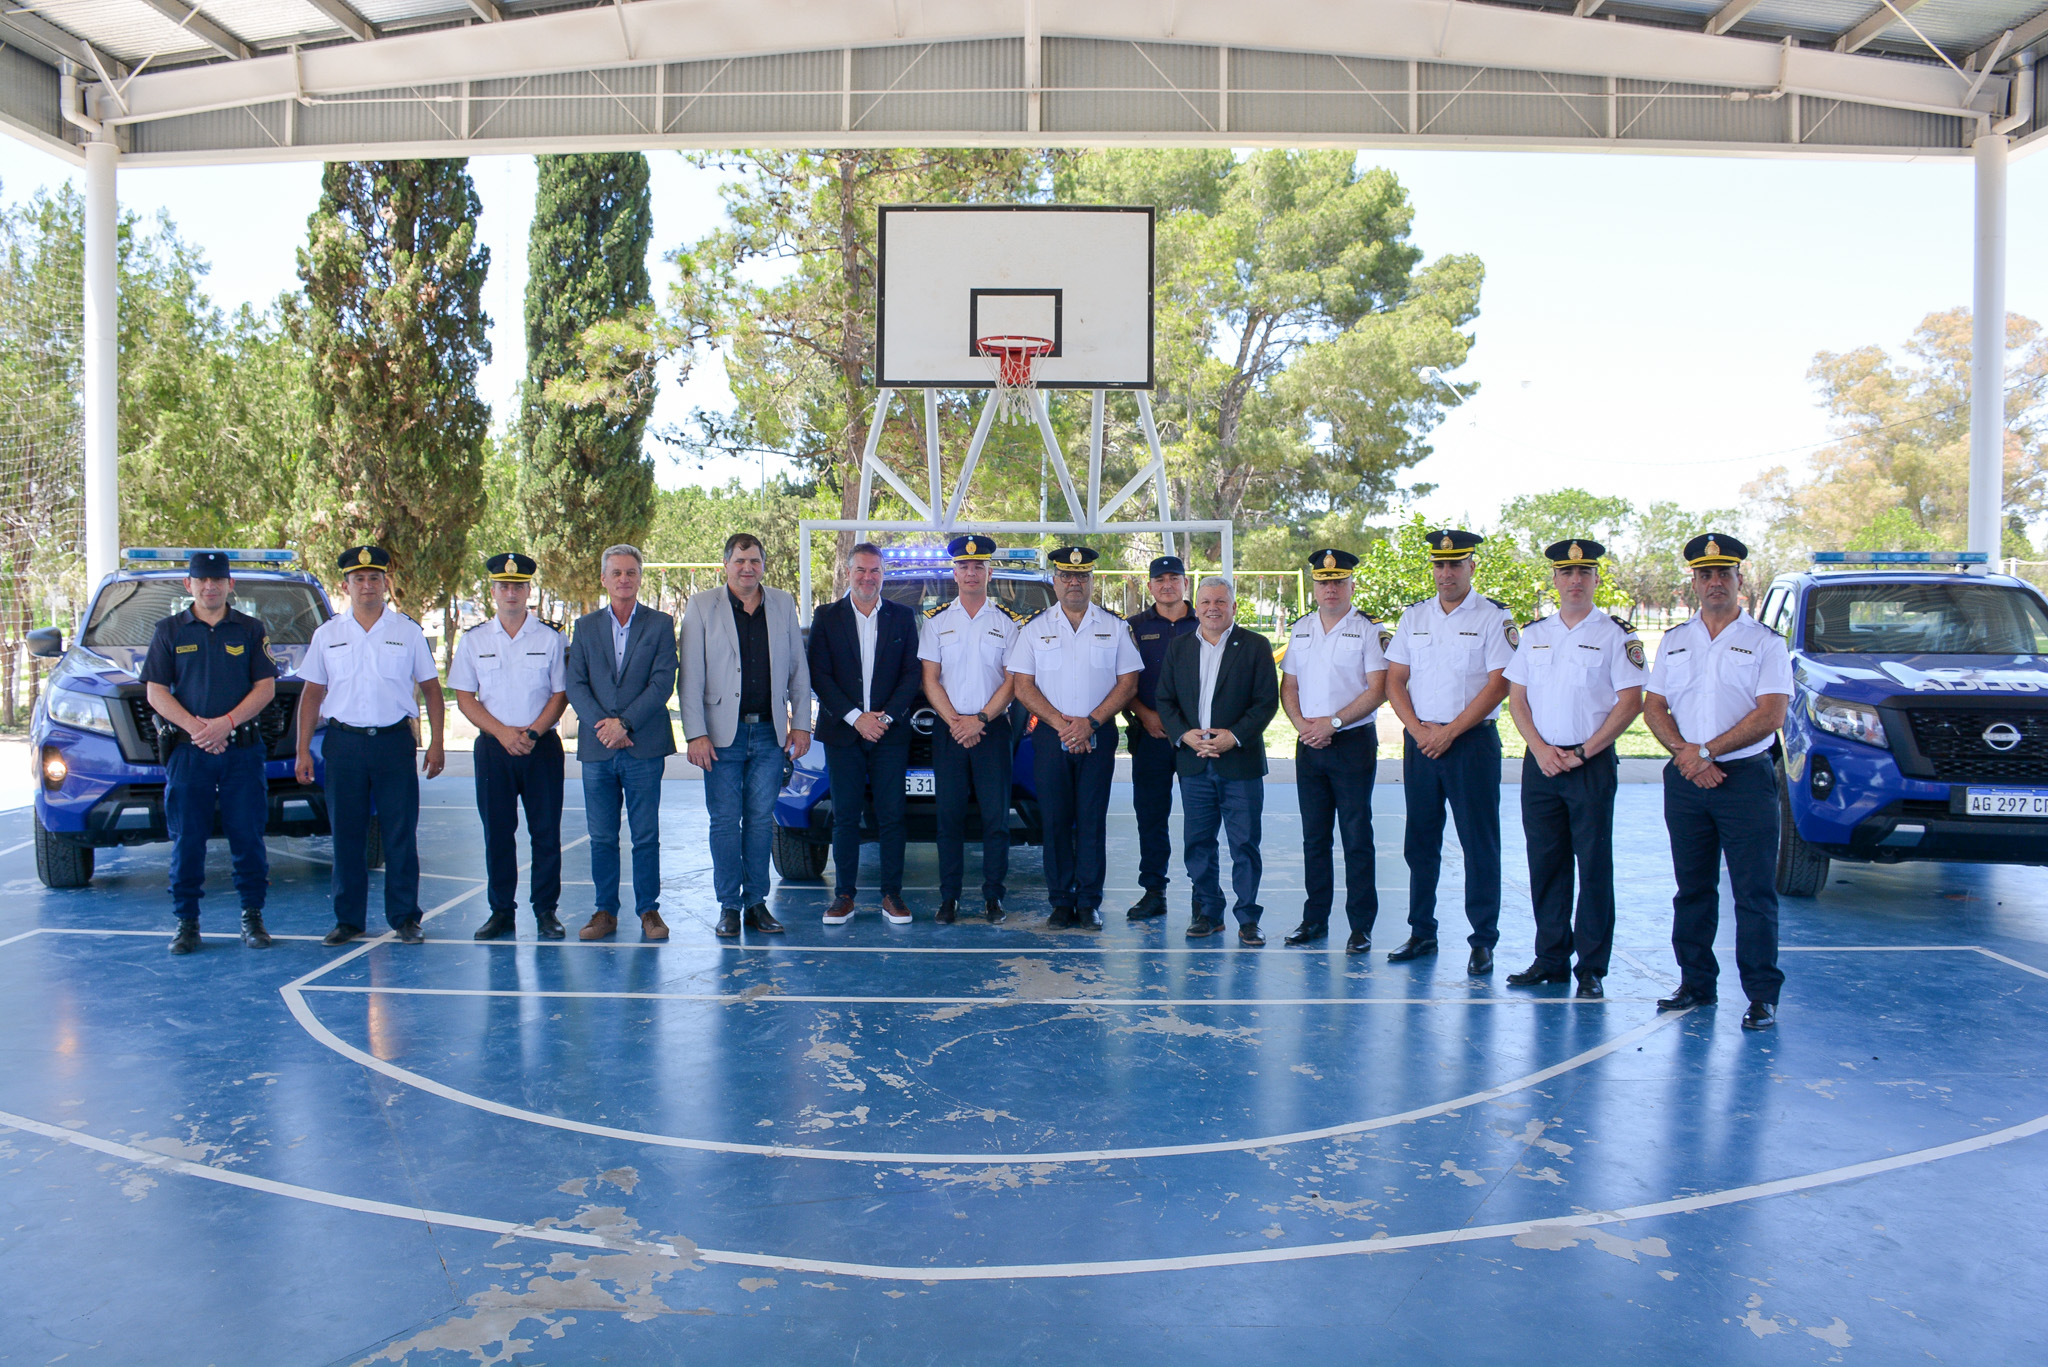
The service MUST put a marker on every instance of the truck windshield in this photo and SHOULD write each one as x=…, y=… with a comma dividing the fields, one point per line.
x=127, y=613
x=920, y=593
x=1925, y=619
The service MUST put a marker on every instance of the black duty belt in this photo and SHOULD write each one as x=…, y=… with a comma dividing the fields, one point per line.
x=404, y=722
x=169, y=736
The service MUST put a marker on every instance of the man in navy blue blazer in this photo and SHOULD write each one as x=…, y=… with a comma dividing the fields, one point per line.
x=865, y=671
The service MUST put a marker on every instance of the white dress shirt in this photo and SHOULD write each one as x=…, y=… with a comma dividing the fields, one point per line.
x=971, y=651
x=1076, y=667
x=1330, y=668
x=514, y=677
x=621, y=631
x=864, y=625
x=1449, y=654
x=1574, y=674
x=1712, y=682
x=1212, y=665
x=369, y=675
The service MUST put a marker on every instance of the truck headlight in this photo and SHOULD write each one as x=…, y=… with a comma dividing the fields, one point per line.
x=1848, y=719
x=81, y=710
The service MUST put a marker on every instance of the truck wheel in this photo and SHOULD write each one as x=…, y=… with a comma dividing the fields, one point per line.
x=374, y=847
x=59, y=863
x=1802, y=869
x=797, y=860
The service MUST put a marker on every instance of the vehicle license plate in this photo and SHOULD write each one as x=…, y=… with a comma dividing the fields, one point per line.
x=2007, y=802
x=920, y=783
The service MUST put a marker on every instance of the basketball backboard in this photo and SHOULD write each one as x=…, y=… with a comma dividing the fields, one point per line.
x=1079, y=275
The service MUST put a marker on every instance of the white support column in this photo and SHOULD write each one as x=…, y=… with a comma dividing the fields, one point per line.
x=102, y=359
x=933, y=480
x=803, y=574
x=867, y=455
x=1151, y=427
x=1096, y=414
x=1987, y=351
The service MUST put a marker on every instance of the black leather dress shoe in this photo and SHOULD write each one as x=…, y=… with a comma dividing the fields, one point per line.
x=1537, y=973
x=409, y=932
x=1061, y=918
x=949, y=911
x=1358, y=942
x=341, y=934
x=1088, y=918
x=993, y=911
x=548, y=926
x=1590, y=987
x=760, y=919
x=1306, y=934
x=1760, y=1016
x=1203, y=926
x=1152, y=904
x=1480, y=963
x=1251, y=937
x=728, y=922
x=1413, y=948
x=255, y=934
x=500, y=923
x=186, y=941
x=1683, y=998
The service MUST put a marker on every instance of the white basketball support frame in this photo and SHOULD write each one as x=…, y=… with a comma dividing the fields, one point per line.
x=1089, y=516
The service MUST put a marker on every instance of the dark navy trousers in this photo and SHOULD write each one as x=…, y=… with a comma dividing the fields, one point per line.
x=981, y=774
x=1333, y=787
x=371, y=777
x=1073, y=795
x=1568, y=823
x=196, y=785
x=1467, y=779
x=504, y=783
x=1152, y=803
x=1737, y=821
x=856, y=771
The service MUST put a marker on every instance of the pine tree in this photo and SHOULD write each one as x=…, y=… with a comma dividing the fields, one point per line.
x=395, y=323
x=584, y=482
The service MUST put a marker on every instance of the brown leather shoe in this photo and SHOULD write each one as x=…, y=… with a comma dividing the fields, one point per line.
x=840, y=912
x=652, y=927
x=600, y=924
x=894, y=910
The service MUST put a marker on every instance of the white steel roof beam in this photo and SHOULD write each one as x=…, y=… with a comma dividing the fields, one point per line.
x=488, y=11
x=1887, y=13
x=2023, y=37
x=1730, y=14
x=40, y=32
x=656, y=31
x=188, y=18
x=352, y=23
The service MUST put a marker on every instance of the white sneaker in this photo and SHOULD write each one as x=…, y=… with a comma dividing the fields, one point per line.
x=840, y=912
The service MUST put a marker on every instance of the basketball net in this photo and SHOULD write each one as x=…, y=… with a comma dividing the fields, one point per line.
x=1012, y=361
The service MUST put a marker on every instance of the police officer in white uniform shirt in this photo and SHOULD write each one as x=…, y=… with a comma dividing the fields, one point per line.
x=1334, y=679
x=509, y=678
x=1716, y=700
x=361, y=671
x=1575, y=684
x=1076, y=667
x=1444, y=681
x=964, y=647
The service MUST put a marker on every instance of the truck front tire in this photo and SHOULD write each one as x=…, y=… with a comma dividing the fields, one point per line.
x=797, y=860
x=59, y=862
x=1802, y=869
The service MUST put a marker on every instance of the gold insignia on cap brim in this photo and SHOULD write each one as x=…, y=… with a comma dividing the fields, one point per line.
x=1575, y=553
x=1444, y=544
x=363, y=556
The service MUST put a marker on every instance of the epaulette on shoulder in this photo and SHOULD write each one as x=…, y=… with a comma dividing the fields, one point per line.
x=1027, y=621
x=1018, y=617
x=1623, y=623
x=1111, y=611
x=936, y=608
x=1302, y=618
x=410, y=618
x=1502, y=606
x=1418, y=602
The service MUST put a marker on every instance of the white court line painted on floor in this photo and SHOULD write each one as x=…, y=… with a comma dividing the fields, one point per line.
x=16, y=849
x=745, y=999
x=152, y=934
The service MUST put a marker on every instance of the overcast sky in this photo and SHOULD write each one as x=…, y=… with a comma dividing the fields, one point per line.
x=1646, y=325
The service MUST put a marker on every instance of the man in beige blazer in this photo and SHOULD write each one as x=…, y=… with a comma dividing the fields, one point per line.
x=745, y=697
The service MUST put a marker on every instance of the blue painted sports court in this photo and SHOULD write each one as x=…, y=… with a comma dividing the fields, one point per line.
x=970, y=1144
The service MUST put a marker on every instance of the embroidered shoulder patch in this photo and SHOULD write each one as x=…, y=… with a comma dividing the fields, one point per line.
x=1513, y=634
x=1634, y=651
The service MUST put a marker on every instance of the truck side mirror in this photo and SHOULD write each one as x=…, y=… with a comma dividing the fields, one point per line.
x=46, y=643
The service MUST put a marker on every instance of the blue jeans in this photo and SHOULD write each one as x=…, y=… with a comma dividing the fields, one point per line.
x=1209, y=802
x=638, y=781
x=740, y=795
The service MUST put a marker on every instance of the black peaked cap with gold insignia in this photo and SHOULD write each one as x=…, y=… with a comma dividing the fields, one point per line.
x=1452, y=543
x=1714, y=548
x=363, y=558
x=512, y=567
x=1075, y=559
x=971, y=547
x=1574, y=552
x=1331, y=563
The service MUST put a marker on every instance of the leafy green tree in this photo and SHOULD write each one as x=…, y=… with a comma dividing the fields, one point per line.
x=1530, y=522
x=584, y=480
x=396, y=328
x=1396, y=573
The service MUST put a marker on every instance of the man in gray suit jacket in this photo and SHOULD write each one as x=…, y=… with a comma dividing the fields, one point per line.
x=745, y=697
x=622, y=671
x=1217, y=692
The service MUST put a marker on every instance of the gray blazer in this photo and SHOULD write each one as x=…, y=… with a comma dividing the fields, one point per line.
x=637, y=694
x=709, y=695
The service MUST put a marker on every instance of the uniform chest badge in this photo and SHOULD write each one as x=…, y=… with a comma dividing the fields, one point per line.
x=234, y=650
x=188, y=650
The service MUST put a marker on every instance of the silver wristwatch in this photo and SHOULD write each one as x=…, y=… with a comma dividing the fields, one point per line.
x=1705, y=753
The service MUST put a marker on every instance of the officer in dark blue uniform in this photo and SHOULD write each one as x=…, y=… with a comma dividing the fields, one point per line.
x=1157, y=627
x=209, y=675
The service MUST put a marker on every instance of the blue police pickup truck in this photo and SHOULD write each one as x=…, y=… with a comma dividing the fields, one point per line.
x=1918, y=727
x=921, y=579
x=93, y=738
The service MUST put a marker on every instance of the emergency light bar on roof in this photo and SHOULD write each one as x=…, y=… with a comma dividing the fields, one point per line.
x=935, y=558
x=1900, y=558
x=180, y=554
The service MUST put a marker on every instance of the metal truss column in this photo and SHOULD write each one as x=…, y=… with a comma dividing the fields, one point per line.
x=1987, y=350
x=102, y=359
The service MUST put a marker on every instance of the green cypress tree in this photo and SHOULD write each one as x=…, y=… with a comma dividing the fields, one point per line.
x=395, y=323
x=584, y=482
